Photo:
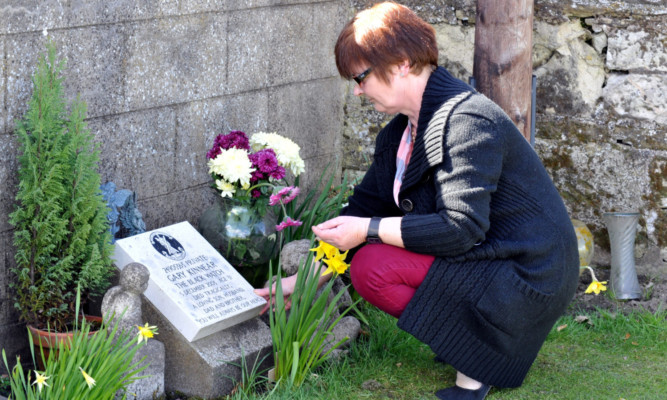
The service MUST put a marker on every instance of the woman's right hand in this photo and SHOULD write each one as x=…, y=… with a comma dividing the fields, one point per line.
x=287, y=287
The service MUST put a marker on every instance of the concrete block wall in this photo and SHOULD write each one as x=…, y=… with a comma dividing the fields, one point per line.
x=161, y=79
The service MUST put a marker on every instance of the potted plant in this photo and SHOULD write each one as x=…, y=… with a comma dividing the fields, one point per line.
x=62, y=238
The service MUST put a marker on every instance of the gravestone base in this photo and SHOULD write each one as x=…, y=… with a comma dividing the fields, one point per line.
x=201, y=368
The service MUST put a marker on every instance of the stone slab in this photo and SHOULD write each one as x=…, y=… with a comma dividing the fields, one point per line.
x=637, y=50
x=639, y=96
x=204, y=368
x=194, y=287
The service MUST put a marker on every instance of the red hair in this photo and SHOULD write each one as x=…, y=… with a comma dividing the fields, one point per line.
x=383, y=36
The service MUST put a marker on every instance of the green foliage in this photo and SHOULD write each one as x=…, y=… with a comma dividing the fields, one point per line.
x=252, y=379
x=106, y=355
x=301, y=336
x=314, y=209
x=61, y=235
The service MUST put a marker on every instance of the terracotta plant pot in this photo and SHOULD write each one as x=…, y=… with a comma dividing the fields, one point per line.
x=51, y=340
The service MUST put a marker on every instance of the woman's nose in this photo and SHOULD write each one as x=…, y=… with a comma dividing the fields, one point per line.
x=358, y=91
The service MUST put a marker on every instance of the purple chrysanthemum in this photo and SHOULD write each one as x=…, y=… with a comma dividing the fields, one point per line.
x=278, y=173
x=234, y=139
x=266, y=160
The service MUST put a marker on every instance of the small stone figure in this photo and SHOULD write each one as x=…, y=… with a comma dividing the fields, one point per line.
x=123, y=302
x=124, y=217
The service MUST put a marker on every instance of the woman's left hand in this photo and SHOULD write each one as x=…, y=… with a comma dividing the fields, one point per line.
x=343, y=233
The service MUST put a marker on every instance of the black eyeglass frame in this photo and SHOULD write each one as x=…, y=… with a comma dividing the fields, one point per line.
x=360, y=78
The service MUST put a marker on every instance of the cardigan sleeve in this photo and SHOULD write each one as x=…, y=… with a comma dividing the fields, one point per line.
x=464, y=183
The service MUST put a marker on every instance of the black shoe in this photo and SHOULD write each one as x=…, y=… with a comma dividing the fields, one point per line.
x=458, y=393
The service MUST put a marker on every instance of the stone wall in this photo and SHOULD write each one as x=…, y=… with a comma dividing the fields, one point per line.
x=601, y=125
x=161, y=79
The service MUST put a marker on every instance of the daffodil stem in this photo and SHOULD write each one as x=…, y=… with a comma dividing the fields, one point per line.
x=595, y=279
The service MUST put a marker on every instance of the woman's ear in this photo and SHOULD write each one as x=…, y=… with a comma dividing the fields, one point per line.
x=404, y=68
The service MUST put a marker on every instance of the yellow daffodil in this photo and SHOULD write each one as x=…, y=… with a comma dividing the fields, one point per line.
x=146, y=332
x=324, y=249
x=336, y=264
x=40, y=380
x=596, y=287
x=89, y=379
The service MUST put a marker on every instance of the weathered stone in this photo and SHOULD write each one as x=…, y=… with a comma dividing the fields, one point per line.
x=637, y=49
x=571, y=80
x=456, y=48
x=638, y=96
x=599, y=41
x=293, y=255
x=560, y=10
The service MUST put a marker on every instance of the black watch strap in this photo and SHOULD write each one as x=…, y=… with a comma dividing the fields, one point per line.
x=373, y=234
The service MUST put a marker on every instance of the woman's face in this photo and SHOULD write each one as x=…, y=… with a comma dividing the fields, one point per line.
x=385, y=97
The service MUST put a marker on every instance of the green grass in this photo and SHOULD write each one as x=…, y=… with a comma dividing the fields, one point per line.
x=614, y=356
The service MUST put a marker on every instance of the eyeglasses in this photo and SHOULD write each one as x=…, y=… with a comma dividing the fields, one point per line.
x=360, y=78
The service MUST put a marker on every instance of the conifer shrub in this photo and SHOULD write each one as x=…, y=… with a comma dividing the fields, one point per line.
x=61, y=232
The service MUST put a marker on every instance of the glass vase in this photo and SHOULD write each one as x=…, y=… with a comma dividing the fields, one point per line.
x=244, y=238
x=622, y=228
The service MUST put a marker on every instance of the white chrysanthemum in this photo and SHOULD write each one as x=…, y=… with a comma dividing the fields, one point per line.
x=226, y=189
x=286, y=150
x=232, y=165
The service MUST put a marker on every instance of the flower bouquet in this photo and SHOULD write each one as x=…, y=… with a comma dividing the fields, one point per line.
x=250, y=176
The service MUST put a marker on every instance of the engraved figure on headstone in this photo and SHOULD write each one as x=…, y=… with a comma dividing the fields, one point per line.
x=167, y=246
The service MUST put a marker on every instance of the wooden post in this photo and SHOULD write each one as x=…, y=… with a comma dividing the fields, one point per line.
x=503, y=64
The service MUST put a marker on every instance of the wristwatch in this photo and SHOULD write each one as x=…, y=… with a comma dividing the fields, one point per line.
x=373, y=234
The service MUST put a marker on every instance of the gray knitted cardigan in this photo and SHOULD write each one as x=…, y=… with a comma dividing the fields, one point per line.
x=476, y=196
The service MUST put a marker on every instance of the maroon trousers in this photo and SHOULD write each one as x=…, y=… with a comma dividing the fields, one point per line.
x=388, y=276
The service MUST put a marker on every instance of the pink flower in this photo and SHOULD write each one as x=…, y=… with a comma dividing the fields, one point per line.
x=293, y=193
x=286, y=223
x=284, y=195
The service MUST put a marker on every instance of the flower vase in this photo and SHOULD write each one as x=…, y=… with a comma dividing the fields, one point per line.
x=622, y=228
x=244, y=238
